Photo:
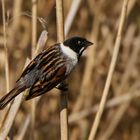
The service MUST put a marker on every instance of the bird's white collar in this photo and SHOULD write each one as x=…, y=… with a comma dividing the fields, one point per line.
x=68, y=51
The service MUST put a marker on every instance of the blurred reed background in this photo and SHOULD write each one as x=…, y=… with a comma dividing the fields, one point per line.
x=98, y=21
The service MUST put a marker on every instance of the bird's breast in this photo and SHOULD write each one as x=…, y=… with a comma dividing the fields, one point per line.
x=71, y=63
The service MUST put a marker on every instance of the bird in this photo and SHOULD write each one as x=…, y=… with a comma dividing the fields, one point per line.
x=48, y=69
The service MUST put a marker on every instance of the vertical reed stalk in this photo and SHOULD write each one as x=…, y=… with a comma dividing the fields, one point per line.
x=60, y=20
x=34, y=40
x=110, y=73
x=6, y=67
x=5, y=47
x=63, y=96
x=34, y=25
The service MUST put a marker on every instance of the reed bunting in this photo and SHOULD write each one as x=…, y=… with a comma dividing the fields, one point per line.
x=48, y=69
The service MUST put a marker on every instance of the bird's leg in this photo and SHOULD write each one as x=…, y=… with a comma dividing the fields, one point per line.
x=62, y=86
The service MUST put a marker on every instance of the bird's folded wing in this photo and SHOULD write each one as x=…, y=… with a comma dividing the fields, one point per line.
x=48, y=81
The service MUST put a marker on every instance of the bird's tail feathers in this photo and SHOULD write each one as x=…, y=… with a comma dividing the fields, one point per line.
x=9, y=96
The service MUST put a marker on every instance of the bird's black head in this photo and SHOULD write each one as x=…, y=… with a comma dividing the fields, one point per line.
x=77, y=44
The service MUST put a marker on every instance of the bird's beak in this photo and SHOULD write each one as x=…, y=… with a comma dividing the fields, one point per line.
x=88, y=43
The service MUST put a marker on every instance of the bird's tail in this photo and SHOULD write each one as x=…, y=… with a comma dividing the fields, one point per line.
x=9, y=96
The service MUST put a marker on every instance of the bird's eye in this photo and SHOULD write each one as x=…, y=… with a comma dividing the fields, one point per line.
x=79, y=42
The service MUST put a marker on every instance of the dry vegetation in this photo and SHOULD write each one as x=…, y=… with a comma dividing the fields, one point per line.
x=97, y=20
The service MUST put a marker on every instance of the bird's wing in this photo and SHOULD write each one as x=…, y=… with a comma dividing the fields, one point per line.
x=48, y=81
x=37, y=60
